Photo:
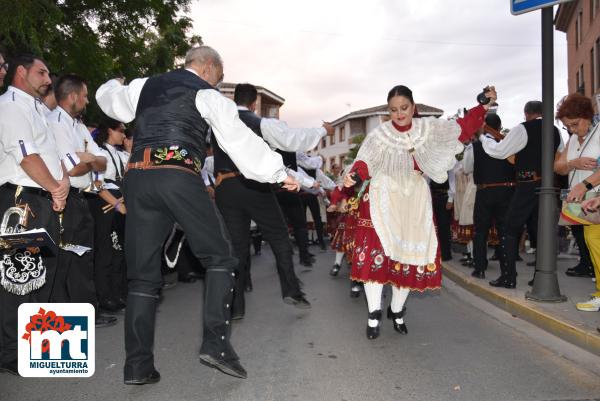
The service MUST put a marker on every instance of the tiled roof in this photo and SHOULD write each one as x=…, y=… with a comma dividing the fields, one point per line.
x=423, y=109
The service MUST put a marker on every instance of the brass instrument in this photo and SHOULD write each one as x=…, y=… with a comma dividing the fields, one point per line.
x=22, y=211
x=92, y=187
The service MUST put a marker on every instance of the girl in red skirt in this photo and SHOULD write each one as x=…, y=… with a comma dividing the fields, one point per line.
x=394, y=239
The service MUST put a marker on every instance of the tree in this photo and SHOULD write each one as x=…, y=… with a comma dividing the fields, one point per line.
x=99, y=39
x=356, y=141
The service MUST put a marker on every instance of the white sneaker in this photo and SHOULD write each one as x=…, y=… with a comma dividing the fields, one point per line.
x=591, y=305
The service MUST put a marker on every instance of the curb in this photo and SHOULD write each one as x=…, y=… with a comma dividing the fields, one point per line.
x=527, y=310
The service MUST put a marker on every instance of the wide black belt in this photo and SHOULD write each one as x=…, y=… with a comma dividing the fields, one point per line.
x=28, y=190
x=172, y=157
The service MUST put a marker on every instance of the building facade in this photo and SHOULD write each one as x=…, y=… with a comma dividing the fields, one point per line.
x=580, y=20
x=335, y=149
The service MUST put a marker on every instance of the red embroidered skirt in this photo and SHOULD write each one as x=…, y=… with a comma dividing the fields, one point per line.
x=370, y=264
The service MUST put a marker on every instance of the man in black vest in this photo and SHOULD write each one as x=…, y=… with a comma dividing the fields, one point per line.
x=495, y=180
x=173, y=113
x=241, y=199
x=525, y=142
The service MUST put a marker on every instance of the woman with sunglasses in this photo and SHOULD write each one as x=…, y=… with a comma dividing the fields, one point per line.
x=109, y=217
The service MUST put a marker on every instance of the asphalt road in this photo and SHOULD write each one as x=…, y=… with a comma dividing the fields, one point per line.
x=454, y=351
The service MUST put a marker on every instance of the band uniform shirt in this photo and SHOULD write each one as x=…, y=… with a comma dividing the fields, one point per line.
x=250, y=153
x=112, y=172
x=70, y=139
x=24, y=131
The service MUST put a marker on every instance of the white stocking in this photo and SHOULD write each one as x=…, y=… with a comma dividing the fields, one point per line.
x=338, y=258
x=373, y=293
x=399, y=296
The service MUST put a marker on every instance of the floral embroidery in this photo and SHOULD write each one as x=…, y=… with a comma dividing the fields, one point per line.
x=174, y=154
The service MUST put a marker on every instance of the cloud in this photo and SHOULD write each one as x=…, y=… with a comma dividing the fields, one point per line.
x=323, y=55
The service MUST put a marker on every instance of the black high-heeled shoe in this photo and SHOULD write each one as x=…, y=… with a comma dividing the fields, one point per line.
x=373, y=332
x=399, y=327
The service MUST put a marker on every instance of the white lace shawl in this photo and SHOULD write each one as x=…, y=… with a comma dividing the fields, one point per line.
x=435, y=142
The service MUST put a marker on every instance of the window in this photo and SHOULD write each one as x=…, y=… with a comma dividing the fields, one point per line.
x=342, y=133
x=324, y=142
x=578, y=29
x=332, y=140
x=342, y=157
x=331, y=161
x=580, y=83
x=593, y=68
x=594, y=6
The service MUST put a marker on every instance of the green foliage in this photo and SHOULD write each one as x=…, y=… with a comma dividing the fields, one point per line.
x=99, y=39
x=356, y=141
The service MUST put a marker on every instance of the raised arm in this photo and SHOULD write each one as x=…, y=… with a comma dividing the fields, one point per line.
x=120, y=101
x=250, y=153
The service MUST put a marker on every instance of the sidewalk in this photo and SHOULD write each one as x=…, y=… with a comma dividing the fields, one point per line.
x=561, y=319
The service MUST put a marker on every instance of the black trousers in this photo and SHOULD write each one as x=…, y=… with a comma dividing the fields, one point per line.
x=109, y=257
x=43, y=217
x=239, y=204
x=522, y=209
x=443, y=218
x=77, y=272
x=585, y=260
x=156, y=199
x=491, y=205
x=311, y=201
x=291, y=206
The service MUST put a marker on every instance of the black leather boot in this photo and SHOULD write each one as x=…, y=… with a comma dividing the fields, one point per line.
x=373, y=332
x=140, y=316
x=216, y=351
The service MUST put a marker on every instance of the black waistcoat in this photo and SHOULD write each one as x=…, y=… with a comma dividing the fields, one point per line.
x=167, y=114
x=311, y=172
x=488, y=170
x=444, y=186
x=530, y=157
x=289, y=159
x=223, y=162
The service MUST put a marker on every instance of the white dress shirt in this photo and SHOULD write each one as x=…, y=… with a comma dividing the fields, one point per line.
x=303, y=178
x=325, y=182
x=513, y=142
x=208, y=171
x=24, y=131
x=72, y=137
x=309, y=162
x=250, y=153
x=468, y=161
x=280, y=136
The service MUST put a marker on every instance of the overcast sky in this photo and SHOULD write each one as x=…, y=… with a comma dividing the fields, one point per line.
x=330, y=57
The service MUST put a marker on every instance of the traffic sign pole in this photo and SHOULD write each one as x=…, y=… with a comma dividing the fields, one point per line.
x=545, y=286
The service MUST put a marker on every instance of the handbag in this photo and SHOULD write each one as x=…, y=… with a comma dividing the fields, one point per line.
x=571, y=214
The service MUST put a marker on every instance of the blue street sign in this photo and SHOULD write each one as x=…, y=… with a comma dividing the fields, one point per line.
x=523, y=6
